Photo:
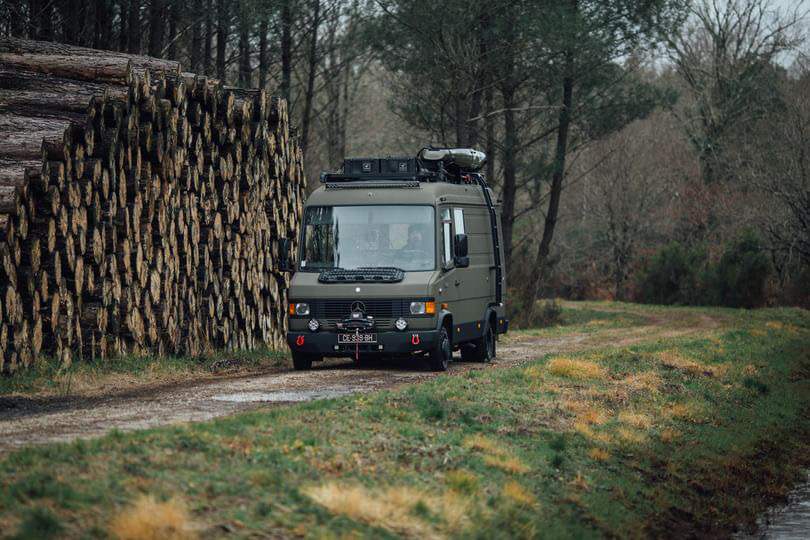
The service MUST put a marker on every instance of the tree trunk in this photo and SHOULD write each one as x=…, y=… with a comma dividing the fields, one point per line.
x=71, y=11
x=244, y=56
x=16, y=21
x=134, y=29
x=46, y=20
x=543, y=249
x=313, y=67
x=103, y=22
x=174, y=18
x=157, y=23
x=196, y=37
x=489, y=128
x=286, y=50
x=209, y=37
x=509, y=192
x=263, y=50
x=462, y=127
x=123, y=10
x=222, y=37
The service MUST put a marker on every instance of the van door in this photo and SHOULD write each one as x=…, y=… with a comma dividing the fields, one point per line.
x=445, y=288
x=473, y=284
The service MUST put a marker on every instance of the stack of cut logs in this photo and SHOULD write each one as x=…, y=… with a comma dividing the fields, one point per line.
x=140, y=207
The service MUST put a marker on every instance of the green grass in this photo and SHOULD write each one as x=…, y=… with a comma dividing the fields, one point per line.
x=589, y=317
x=47, y=377
x=680, y=437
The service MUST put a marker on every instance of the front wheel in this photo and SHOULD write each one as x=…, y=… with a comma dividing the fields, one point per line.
x=440, y=357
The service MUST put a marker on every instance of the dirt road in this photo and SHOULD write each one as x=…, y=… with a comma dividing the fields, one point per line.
x=26, y=422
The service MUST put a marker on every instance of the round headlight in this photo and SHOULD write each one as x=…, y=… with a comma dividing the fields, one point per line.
x=401, y=324
x=313, y=325
x=302, y=309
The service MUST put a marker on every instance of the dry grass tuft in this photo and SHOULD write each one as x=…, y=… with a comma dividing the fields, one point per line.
x=630, y=436
x=517, y=493
x=669, y=435
x=586, y=430
x=564, y=366
x=673, y=359
x=593, y=416
x=495, y=455
x=580, y=482
x=392, y=508
x=463, y=481
x=637, y=420
x=482, y=443
x=678, y=410
x=599, y=454
x=534, y=372
x=510, y=464
x=775, y=325
x=691, y=412
x=148, y=519
x=587, y=412
x=648, y=381
x=758, y=332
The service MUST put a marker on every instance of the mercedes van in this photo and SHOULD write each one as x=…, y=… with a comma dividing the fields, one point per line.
x=398, y=257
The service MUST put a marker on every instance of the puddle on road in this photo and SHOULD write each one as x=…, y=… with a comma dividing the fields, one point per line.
x=790, y=522
x=274, y=397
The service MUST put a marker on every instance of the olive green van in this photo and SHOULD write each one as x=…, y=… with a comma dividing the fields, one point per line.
x=399, y=257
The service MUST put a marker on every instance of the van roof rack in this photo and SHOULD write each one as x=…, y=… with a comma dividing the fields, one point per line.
x=452, y=165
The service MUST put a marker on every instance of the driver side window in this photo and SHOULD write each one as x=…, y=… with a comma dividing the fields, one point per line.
x=447, y=237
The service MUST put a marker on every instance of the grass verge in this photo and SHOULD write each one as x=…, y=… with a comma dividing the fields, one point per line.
x=48, y=378
x=680, y=437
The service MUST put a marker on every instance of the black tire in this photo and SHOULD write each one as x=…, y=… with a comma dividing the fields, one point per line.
x=302, y=362
x=483, y=348
x=441, y=356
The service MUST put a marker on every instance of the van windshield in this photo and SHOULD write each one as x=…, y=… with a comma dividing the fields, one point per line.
x=352, y=237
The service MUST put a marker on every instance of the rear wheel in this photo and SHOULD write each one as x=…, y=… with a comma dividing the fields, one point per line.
x=440, y=357
x=302, y=362
x=482, y=349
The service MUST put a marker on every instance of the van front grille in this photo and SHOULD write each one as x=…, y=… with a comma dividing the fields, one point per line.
x=342, y=309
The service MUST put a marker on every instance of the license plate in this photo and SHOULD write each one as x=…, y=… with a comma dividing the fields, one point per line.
x=357, y=338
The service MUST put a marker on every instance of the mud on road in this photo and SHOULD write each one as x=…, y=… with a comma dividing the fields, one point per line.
x=31, y=421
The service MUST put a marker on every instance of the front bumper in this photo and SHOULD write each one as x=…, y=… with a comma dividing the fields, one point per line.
x=325, y=343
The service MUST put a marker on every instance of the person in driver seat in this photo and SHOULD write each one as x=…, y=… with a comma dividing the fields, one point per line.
x=414, y=239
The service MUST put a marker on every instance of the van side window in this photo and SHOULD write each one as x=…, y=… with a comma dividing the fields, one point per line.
x=447, y=235
x=458, y=220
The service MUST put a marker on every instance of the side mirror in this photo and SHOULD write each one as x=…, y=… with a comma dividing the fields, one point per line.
x=461, y=245
x=284, y=255
x=461, y=259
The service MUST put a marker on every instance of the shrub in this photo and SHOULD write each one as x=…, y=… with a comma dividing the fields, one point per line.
x=545, y=313
x=674, y=275
x=682, y=274
x=738, y=279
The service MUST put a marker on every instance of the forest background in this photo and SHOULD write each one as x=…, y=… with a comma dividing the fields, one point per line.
x=642, y=150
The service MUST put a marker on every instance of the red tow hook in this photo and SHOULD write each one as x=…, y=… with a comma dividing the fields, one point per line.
x=415, y=339
x=299, y=341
